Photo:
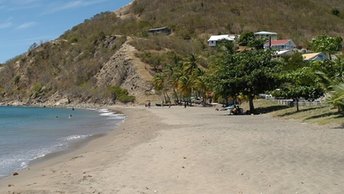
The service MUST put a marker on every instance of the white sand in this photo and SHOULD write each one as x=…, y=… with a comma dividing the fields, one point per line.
x=195, y=150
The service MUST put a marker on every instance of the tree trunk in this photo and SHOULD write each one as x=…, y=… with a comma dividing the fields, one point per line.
x=297, y=105
x=204, y=100
x=168, y=99
x=251, y=98
x=164, y=95
x=176, y=95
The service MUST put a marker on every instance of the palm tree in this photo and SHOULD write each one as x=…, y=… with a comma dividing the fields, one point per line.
x=160, y=85
x=337, y=96
x=335, y=88
x=200, y=85
x=188, y=79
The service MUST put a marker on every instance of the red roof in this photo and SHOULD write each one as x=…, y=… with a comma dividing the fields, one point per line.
x=279, y=42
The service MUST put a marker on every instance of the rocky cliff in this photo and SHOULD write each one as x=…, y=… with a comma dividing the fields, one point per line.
x=122, y=69
x=126, y=70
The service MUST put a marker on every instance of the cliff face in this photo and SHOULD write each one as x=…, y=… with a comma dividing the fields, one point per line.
x=121, y=69
x=81, y=66
x=125, y=70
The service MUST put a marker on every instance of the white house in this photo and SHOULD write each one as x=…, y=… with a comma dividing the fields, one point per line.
x=216, y=38
x=266, y=35
x=280, y=45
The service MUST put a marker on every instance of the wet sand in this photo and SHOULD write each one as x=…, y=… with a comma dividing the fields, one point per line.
x=194, y=150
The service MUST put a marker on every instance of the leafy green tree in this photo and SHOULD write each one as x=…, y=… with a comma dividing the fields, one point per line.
x=246, y=38
x=219, y=74
x=300, y=83
x=250, y=73
x=327, y=44
x=255, y=72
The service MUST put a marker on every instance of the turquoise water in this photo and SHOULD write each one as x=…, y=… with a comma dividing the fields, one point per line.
x=28, y=133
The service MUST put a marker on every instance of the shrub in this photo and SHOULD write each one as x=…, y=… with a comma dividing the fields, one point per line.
x=17, y=79
x=335, y=12
x=120, y=94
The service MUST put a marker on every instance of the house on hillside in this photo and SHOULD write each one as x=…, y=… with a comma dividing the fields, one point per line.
x=280, y=45
x=266, y=35
x=161, y=30
x=314, y=57
x=213, y=40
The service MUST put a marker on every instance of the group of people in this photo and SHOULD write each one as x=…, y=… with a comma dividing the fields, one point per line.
x=236, y=110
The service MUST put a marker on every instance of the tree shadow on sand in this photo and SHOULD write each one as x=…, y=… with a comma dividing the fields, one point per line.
x=265, y=110
x=340, y=126
x=335, y=114
x=300, y=111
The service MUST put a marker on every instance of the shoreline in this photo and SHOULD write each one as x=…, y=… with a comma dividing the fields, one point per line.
x=194, y=150
x=72, y=146
x=73, y=153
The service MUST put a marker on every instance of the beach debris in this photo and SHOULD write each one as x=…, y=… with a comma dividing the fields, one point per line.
x=10, y=185
x=15, y=174
x=184, y=158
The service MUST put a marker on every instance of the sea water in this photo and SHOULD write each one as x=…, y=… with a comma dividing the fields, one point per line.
x=28, y=133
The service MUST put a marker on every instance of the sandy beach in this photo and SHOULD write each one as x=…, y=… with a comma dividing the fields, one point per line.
x=194, y=150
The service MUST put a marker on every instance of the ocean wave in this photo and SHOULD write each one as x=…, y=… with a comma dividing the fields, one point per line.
x=117, y=116
x=111, y=115
x=103, y=110
x=24, y=164
x=107, y=114
x=19, y=161
x=75, y=137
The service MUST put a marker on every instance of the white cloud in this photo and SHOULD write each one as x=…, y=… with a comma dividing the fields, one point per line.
x=26, y=25
x=15, y=5
x=72, y=5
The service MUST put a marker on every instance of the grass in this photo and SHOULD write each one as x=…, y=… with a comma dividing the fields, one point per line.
x=316, y=114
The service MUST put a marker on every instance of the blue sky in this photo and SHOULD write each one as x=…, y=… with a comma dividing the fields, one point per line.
x=23, y=22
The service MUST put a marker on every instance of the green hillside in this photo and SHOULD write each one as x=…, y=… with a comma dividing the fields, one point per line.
x=68, y=65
